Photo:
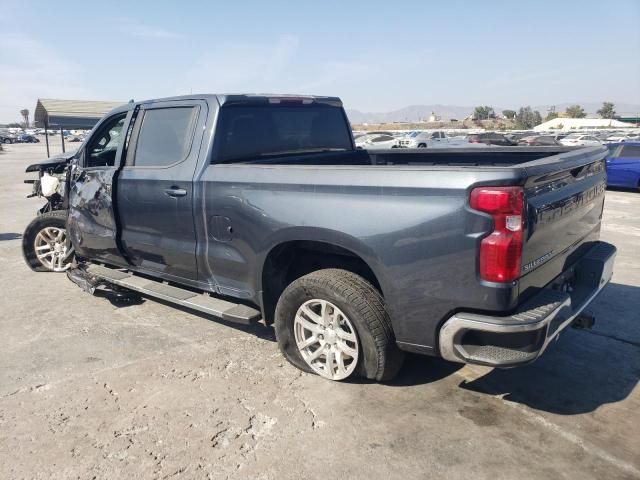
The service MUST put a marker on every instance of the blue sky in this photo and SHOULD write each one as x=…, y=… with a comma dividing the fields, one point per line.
x=377, y=56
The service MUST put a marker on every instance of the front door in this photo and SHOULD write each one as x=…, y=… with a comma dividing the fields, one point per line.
x=155, y=188
x=91, y=222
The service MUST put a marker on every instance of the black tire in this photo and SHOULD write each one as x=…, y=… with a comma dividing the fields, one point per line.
x=422, y=145
x=380, y=357
x=8, y=141
x=56, y=219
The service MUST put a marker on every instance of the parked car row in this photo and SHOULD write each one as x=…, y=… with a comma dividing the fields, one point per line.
x=9, y=138
x=14, y=135
x=452, y=139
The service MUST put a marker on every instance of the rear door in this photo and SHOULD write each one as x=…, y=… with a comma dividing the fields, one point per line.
x=91, y=221
x=155, y=188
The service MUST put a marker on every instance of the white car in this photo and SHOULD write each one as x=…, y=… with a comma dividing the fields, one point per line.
x=579, y=140
x=373, y=142
x=437, y=139
x=621, y=137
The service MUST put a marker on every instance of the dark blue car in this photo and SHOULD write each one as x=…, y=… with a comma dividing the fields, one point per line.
x=623, y=165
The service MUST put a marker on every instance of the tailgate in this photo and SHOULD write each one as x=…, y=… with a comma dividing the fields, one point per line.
x=564, y=200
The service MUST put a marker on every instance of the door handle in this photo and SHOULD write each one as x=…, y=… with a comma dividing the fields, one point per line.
x=175, y=192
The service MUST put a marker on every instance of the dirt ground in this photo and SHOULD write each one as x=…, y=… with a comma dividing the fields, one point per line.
x=92, y=389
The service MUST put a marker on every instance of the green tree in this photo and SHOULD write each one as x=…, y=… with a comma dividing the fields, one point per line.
x=511, y=114
x=550, y=116
x=607, y=110
x=527, y=118
x=483, y=113
x=537, y=118
x=575, y=111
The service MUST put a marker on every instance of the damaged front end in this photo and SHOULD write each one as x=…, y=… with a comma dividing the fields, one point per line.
x=52, y=182
x=45, y=244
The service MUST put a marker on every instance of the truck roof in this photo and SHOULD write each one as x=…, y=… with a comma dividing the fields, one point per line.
x=241, y=98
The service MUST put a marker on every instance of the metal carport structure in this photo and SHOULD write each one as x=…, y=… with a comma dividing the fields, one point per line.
x=69, y=114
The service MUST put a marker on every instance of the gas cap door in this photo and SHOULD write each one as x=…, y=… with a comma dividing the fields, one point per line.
x=221, y=228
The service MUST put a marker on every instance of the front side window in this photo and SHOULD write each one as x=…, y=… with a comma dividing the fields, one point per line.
x=247, y=132
x=165, y=136
x=630, y=151
x=103, y=145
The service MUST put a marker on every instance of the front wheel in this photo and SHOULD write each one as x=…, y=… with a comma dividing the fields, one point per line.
x=333, y=323
x=45, y=245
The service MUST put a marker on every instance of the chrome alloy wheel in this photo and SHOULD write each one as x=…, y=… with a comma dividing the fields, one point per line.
x=52, y=248
x=326, y=339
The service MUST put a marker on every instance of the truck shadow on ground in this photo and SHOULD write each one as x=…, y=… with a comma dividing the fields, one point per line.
x=420, y=370
x=122, y=298
x=9, y=236
x=584, y=369
x=257, y=329
x=577, y=374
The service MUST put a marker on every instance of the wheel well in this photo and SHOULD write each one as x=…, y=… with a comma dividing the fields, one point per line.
x=291, y=260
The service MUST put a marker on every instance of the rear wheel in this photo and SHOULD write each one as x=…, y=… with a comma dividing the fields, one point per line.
x=45, y=245
x=333, y=323
x=422, y=145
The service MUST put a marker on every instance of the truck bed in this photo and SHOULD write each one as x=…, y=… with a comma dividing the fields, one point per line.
x=474, y=157
x=461, y=157
x=411, y=210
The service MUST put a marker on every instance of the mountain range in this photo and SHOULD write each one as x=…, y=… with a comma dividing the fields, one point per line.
x=414, y=113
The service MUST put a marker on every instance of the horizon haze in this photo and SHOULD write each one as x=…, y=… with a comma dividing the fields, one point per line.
x=377, y=57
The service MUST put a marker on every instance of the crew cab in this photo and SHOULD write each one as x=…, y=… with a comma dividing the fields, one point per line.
x=260, y=207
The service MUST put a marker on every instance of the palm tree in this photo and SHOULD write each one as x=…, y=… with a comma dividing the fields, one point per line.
x=25, y=114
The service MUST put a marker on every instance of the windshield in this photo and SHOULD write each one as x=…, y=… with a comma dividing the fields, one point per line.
x=253, y=131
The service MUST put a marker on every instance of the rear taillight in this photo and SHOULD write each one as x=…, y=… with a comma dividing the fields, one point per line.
x=501, y=251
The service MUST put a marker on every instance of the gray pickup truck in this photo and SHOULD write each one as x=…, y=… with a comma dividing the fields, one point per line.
x=259, y=207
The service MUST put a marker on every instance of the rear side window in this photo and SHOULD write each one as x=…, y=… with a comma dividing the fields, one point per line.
x=165, y=136
x=246, y=132
x=630, y=151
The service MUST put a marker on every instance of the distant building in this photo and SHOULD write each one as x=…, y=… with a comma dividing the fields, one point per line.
x=568, y=124
x=434, y=117
x=632, y=117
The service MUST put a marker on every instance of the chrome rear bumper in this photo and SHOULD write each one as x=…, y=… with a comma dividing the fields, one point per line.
x=522, y=337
